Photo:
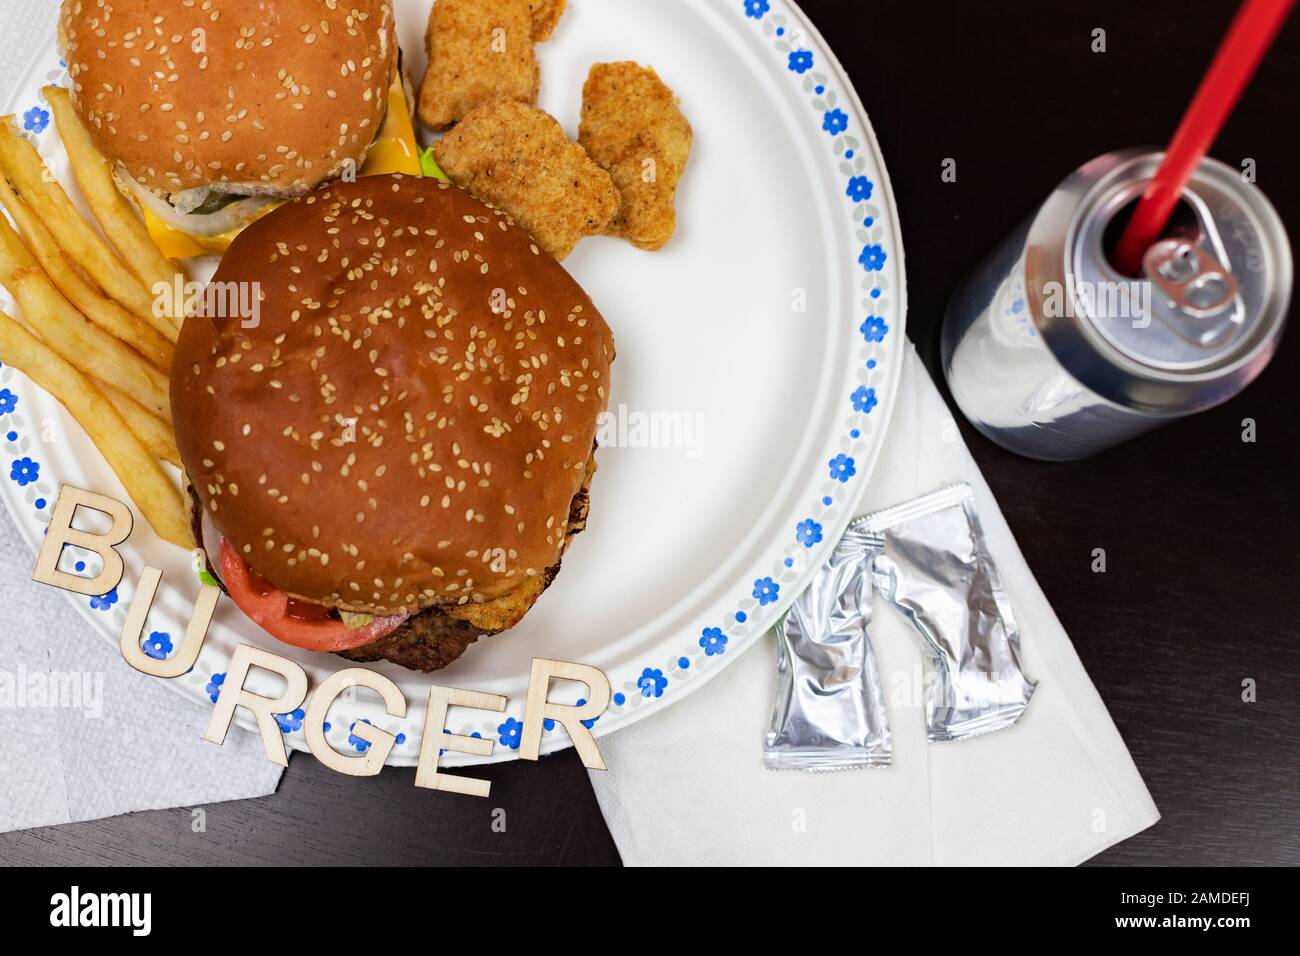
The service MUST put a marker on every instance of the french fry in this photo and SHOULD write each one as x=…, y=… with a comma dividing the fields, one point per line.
x=103, y=311
x=115, y=213
x=72, y=335
x=23, y=167
x=154, y=433
x=136, y=467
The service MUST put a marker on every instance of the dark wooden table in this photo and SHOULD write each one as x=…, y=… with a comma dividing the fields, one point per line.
x=1201, y=530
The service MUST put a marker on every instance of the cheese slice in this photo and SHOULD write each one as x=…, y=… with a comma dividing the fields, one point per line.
x=175, y=244
x=394, y=151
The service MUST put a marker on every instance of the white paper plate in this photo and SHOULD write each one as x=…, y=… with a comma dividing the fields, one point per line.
x=772, y=325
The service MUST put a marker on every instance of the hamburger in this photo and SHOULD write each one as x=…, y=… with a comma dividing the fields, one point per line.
x=393, y=460
x=211, y=114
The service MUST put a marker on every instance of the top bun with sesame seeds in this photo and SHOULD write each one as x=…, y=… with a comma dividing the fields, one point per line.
x=409, y=422
x=250, y=97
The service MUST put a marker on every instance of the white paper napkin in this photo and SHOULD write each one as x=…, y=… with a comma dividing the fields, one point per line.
x=83, y=736
x=26, y=25
x=687, y=786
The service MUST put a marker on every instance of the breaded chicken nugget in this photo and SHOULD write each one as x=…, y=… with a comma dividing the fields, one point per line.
x=518, y=159
x=479, y=51
x=546, y=14
x=632, y=127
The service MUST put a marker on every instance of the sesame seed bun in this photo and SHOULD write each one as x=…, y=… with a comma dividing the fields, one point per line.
x=410, y=421
x=261, y=98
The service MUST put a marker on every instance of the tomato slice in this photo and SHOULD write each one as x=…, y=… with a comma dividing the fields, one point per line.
x=294, y=622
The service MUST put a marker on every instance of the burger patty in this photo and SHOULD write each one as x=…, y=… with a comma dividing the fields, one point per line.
x=437, y=636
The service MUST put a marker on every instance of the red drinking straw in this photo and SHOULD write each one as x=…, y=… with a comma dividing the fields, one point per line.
x=1248, y=39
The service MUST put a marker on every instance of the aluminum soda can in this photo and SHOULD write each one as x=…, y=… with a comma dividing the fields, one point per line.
x=1054, y=354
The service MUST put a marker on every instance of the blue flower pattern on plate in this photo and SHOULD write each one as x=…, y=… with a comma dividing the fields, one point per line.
x=835, y=121
x=874, y=329
x=590, y=721
x=104, y=601
x=864, y=399
x=766, y=591
x=808, y=532
x=291, y=721
x=873, y=257
x=842, y=468
x=756, y=8
x=801, y=61
x=860, y=189
x=24, y=471
x=713, y=641
x=652, y=682
x=359, y=743
x=158, y=645
x=213, y=689
x=510, y=733
x=36, y=119
x=8, y=401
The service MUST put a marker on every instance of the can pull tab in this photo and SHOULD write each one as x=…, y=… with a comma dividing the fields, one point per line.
x=1196, y=282
x=1202, y=305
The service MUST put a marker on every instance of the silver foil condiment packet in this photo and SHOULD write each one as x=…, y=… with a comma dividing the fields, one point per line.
x=928, y=558
x=829, y=712
x=936, y=569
